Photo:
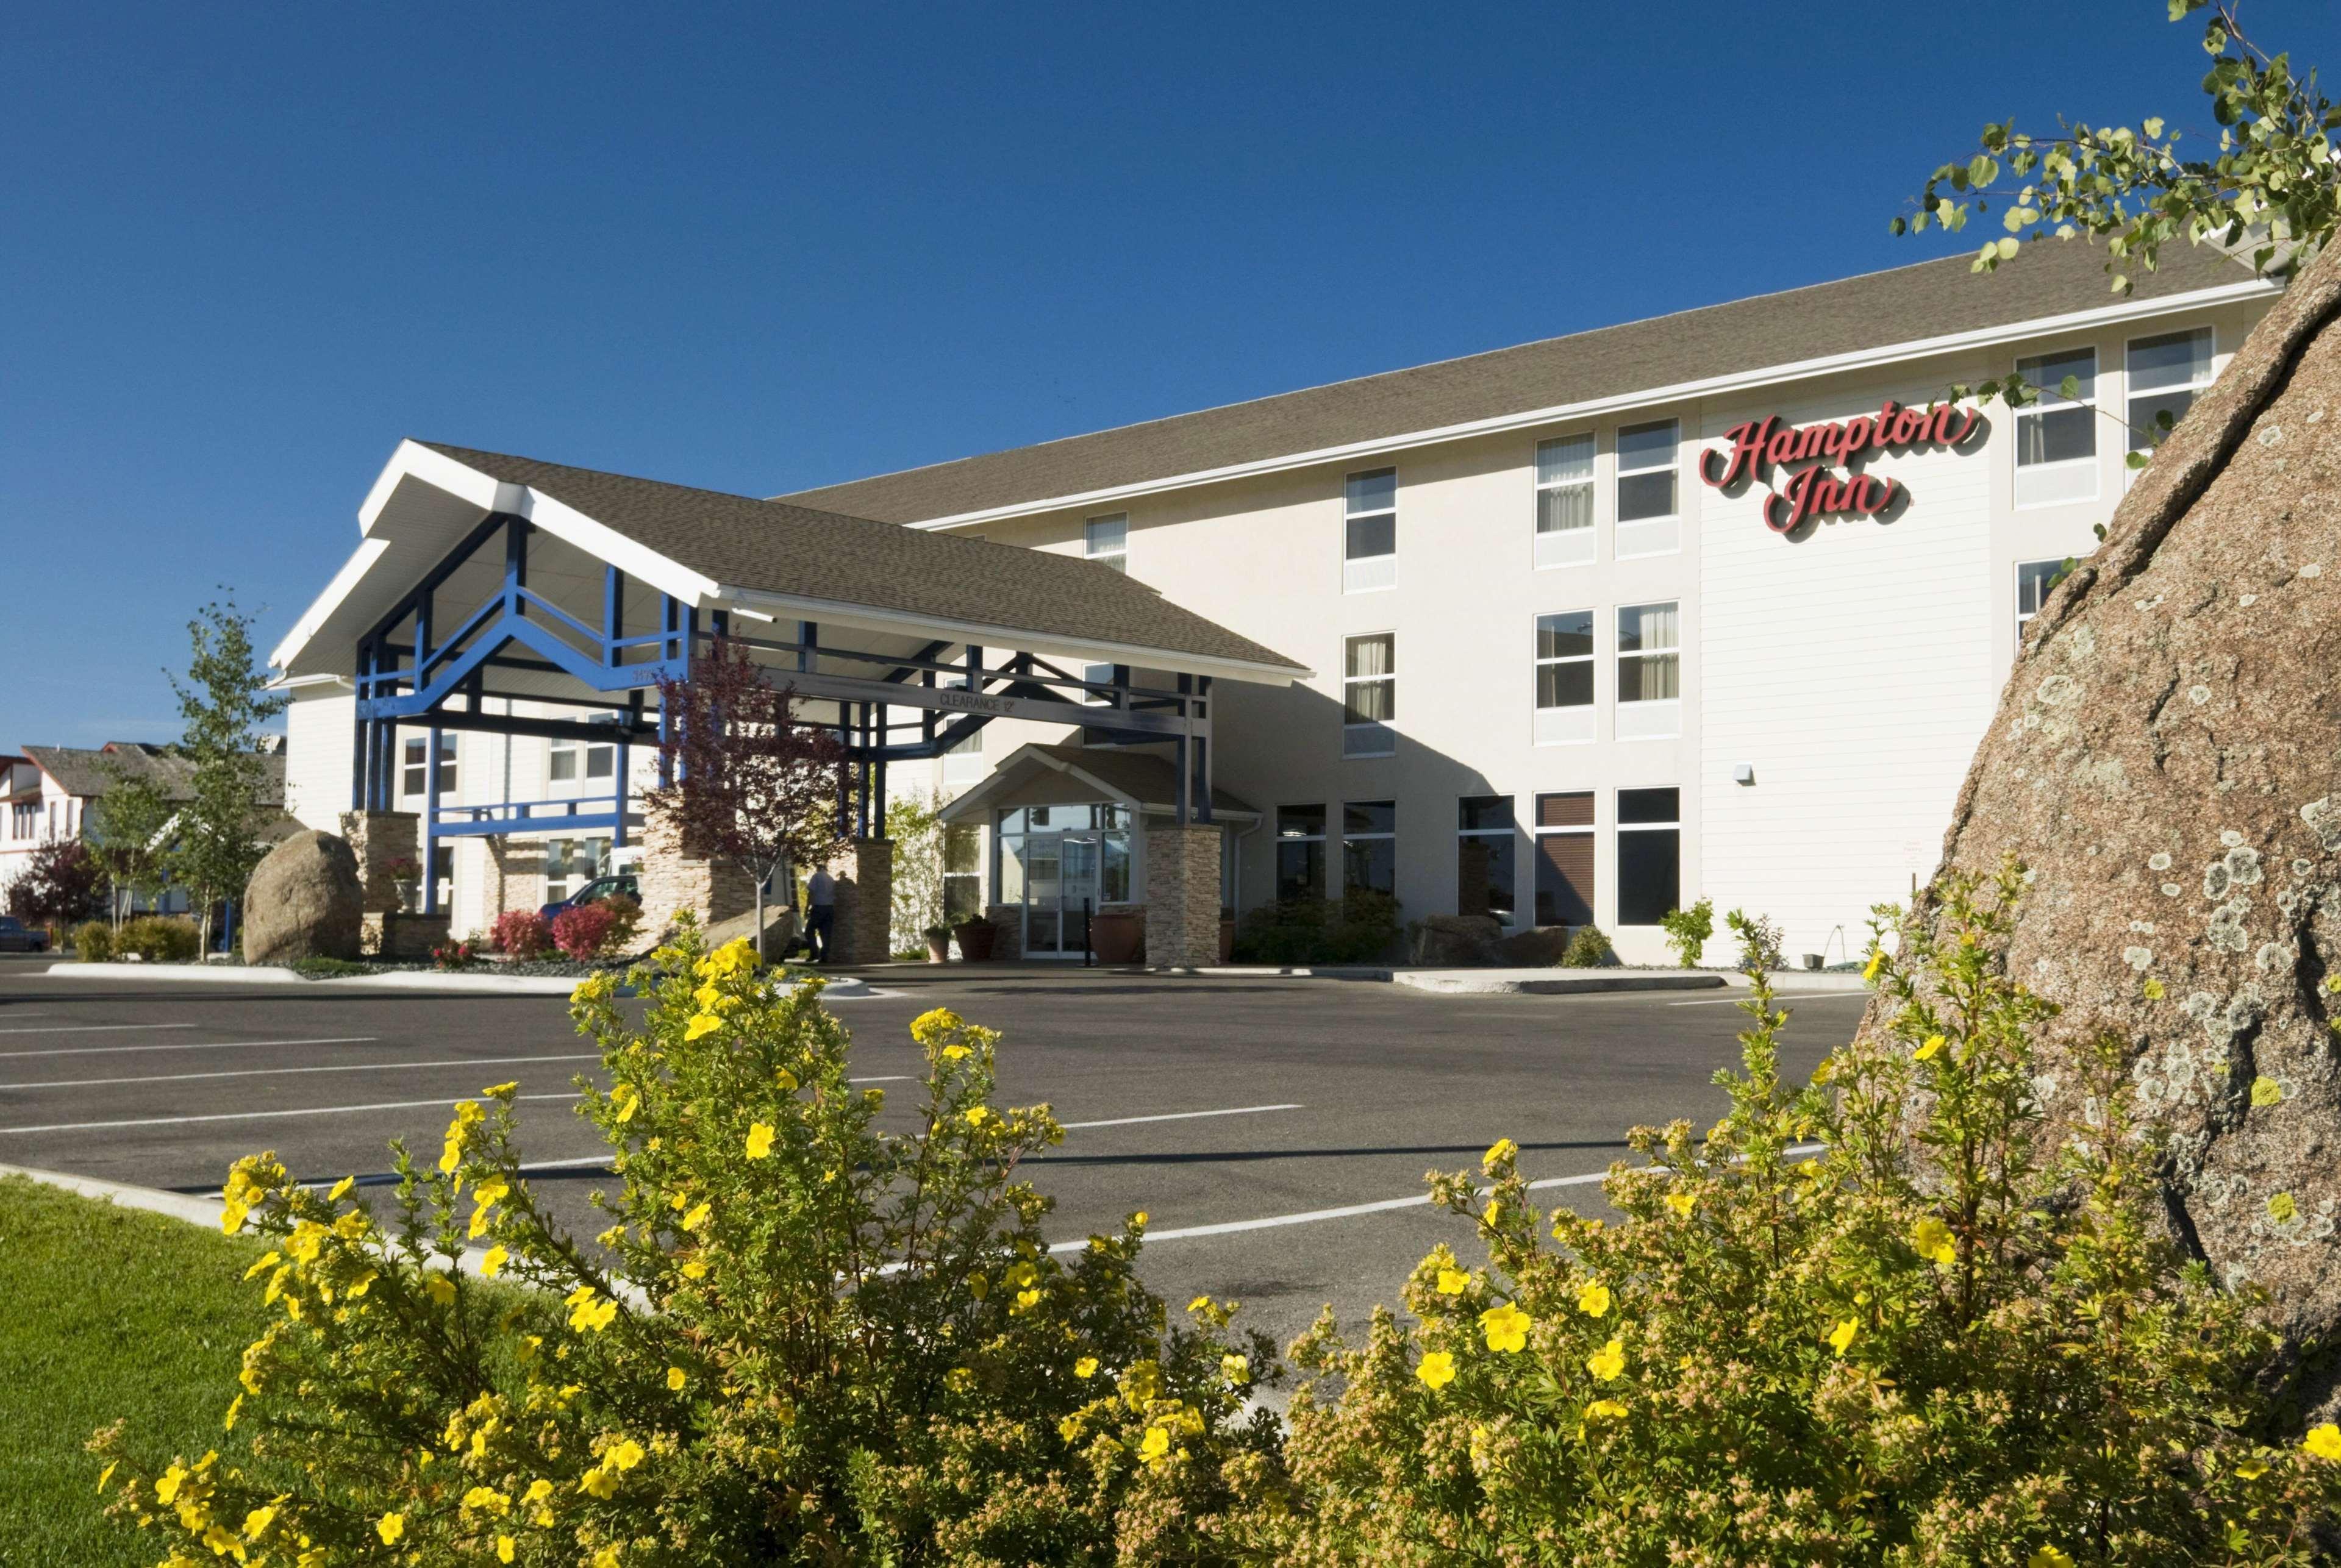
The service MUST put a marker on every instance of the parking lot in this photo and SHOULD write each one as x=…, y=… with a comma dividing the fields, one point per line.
x=1277, y=1131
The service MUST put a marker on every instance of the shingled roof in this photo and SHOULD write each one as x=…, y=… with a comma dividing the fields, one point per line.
x=89, y=772
x=780, y=548
x=1918, y=303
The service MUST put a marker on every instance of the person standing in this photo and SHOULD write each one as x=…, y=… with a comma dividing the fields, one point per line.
x=820, y=914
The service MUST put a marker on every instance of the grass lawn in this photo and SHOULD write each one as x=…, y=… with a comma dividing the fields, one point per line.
x=106, y=1313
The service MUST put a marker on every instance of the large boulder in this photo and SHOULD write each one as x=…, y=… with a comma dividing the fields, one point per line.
x=1452, y=941
x=304, y=902
x=2164, y=760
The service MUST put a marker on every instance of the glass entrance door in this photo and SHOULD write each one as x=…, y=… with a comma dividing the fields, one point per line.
x=1059, y=864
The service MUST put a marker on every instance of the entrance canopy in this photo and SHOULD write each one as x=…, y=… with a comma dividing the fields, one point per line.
x=1038, y=775
x=481, y=579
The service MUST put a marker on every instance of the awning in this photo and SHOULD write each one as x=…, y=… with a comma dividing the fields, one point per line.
x=1038, y=775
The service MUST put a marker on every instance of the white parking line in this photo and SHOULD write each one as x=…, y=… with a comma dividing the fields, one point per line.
x=1176, y=1116
x=255, y=1116
x=1777, y=995
x=92, y=1028
x=279, y=1072
x=191, y=1046
x=1352, y=1211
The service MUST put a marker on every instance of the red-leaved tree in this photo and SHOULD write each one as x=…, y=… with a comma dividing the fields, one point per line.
x=753, y=787
x=62, y=882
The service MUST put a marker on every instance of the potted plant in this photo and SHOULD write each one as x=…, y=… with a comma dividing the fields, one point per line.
x=1117, y=934
x=406, y=874
x=937, y=944
x=975, y=935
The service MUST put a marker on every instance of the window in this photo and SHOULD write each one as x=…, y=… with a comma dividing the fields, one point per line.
x=27, y=819
x=1097, y=675
x=1647, y=525
x=443, y=875
x=1564, y=678
x=1370, y=846
x=2165, y=375
x=2034, y=578
x=1649, y=671
x=2057, y=438
x=1369, y=543
x=1483, y=855
x=415, y=754
x=1300, y=852
x=962, y=872
x=599, y=760
x=1107, y=539
x=1650, y=855
x=570, y=864
x=1564, y=479
x=1369, y=694
x=1564, y=861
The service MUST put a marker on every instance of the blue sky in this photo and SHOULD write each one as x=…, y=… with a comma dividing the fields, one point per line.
x=755, y=248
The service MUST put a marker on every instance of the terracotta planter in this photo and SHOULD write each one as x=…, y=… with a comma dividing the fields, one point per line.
x=937, y=947
x=1116, y=935
x=975, y=937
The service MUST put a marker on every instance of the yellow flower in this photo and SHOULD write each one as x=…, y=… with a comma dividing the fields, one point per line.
x=933, y=1024
x=1934, y=1242
x=760, y=1141
x=602, y=1484
x=625, y=1455
x=231, y=1216
x=1826, y=1071
x=1027, y=1299
x=1681, y=1203
x=1877, y=958
x=1934, y=1043
x=389, y=1527
x=504, y=1548
x=1138, y=1218
x=441, y=1289
x=1501, y=1150
x=106, y=1476
x=1236, y=1368
x=2324, y=1442
x=1070, y=1428
x=1604, y=1410
x=234, y=1408
x=1608, y=1362
x=2251, y=1468
x=341, y=1189
x=1453, y=1282
x=2266, y=1091
x=1842, y=1334
x=1154, y=1444
x=606, y=1558
x=258, y=1520
x=787, y=1080
x=701, y=1024
x=627, y=1099
x=954, y=1053
x=699, y=1216
x=1438, y=1369
x=977, y=1116
x=694, y=1269
x=1593, y=1299
x=2049, y=1557
x=1086, y=1366
x=166, y=1485
x=1198, y=1304
x=538, y=1491
x=492, y=1262
x=1506, y=1327
x=592, y=1314
x=497, y=1091
x=675, y=1379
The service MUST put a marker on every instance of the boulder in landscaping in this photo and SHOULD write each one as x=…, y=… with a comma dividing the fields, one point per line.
x=1450, y=941
x=304, y=902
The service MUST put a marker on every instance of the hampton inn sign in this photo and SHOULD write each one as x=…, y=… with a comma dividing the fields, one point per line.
x=1761, y=445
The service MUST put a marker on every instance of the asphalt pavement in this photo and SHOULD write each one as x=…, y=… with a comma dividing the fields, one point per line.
x=1273, y=1129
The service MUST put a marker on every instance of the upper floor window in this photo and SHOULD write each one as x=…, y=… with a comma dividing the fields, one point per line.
x=1647, y=523
x=2034, y=578
x=2166, y=373
x=1107, y=539
x=2057, y=438
x=569, y=760
x=1564, y=479
x=1564, y=678
x=26, y=818
x=1369, y=694
x=1649, y=671
x=414, y=759
x=1370, y=539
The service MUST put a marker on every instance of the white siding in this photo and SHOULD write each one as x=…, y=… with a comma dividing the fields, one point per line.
x=319, y=742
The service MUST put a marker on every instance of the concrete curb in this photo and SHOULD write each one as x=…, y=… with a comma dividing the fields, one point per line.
x=845, y=988
x=229, y=974
x=1789, y=982
x=1546, y=983
x=202, y=1211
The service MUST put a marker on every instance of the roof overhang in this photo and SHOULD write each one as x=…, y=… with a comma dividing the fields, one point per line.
x=1034, y=761
x=1646, y=397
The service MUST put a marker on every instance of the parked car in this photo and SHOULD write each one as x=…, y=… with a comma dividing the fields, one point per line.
x=16, y=936
x=600, y=888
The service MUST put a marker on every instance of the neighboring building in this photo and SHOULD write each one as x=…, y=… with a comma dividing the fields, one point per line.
x=1581, y=630
x=51, y=789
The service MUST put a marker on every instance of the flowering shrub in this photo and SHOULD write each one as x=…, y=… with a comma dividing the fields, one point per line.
x=583, y=931
x=799, y=1341
x=521, y=934
x=454, y=956
x=1889, y=1317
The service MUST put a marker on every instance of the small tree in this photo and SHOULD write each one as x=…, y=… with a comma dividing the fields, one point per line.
x=61, y=883
x=128, y=827
x=225, y=700
x=915, y=825
x=754, y=787
x=1688, y=930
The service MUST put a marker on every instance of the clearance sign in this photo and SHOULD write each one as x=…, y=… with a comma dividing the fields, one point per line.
x=1760, y=446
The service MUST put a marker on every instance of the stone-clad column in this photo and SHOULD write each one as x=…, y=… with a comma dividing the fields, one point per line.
x=376, y=839
x=865, y=902
x=673, y=881
x=1182, y=895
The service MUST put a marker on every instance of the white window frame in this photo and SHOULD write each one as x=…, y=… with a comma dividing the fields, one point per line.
x=1574, y=546
x=1368, y=573
x=2023, y=615
x=556, y=888
x=2064, y=481
x=1106, y=538
x=1348, y=839
x=2193, y=387
x=1371, y=737
x=1655, y=534
x=1648, y=718
x=448, y=771
x=1538, y=833
x=1572, y=724
x=1507, y=836
x=1623, y=828
x=581, y=756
